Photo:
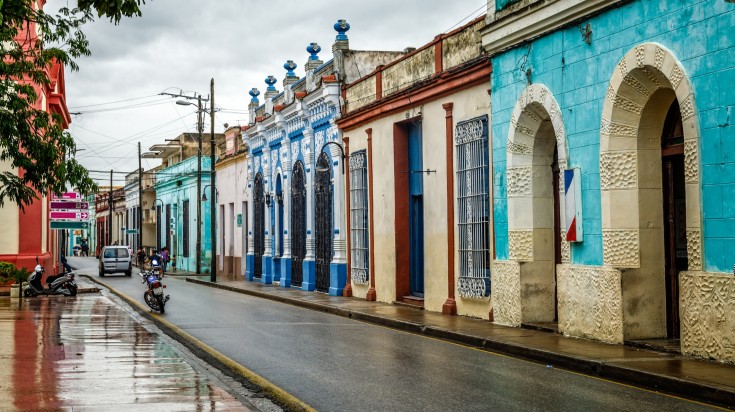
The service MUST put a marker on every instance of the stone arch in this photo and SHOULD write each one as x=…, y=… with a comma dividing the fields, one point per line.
x=643, y=86
x=536, y=133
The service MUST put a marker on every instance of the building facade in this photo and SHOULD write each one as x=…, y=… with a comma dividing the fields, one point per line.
x=296, y=215
x=627, y=104
x=417, y=135
x=232, y=204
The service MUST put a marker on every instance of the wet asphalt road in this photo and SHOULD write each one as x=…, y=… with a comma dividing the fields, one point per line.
x=84, y=353
x=337, y=364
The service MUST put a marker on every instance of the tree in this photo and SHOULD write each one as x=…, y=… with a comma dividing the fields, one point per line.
x=33, y=140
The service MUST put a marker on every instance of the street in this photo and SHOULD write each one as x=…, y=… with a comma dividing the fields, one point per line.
x=337, y=364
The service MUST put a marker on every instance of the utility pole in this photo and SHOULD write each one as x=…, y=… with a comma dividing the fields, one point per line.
x=213, y=202
x=109, y=220
x=140, y=199
x=200, y=126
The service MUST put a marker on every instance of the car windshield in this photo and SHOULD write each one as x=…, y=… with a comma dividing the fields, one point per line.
x=116, y=253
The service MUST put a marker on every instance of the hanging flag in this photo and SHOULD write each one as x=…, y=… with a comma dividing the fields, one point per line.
x=573, y=204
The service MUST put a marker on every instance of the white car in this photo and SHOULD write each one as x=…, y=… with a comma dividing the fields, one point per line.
x=116, y=259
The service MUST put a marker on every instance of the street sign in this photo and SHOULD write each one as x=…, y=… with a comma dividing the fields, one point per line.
x=69, y=215
x=67, y=195
x=67, y=204
x=69, y=225
x=131, y=232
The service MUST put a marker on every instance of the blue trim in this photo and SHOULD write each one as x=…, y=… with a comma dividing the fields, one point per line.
x=286, y=272
x=249, y=264
x=267, y=276
x=337, y=278
x=309, y=281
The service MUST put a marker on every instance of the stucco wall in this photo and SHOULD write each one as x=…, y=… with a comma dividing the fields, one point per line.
x=10, y=222
x=232, y=184
x=578, y=75
x=468, y=103
x=708, y=315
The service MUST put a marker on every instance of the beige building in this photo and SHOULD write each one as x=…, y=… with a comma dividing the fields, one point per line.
x=416, y=133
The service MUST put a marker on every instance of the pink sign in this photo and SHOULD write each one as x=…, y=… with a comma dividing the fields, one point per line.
x=67, y=195
x=66, y=204
x=69, y=215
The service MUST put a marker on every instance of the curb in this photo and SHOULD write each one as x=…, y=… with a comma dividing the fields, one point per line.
x=701, y=392
x=215, y=358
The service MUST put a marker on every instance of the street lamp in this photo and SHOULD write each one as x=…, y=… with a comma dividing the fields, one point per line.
x=200, y=111
x=342, y=157
x=204, y=193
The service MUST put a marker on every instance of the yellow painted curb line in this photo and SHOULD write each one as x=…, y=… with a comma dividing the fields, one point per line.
x=274, y=392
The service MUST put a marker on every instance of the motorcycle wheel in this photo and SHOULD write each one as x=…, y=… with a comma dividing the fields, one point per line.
x=150, y=300
x=27, y=293
x=159, y=301
x=72, y=290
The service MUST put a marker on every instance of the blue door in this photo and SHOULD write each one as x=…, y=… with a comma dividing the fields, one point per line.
x=416, y=209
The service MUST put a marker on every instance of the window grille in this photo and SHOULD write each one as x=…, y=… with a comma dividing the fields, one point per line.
x=166, y=226
x=360, y=272
x=473, y=207
x=158, y=227
x=185, y=230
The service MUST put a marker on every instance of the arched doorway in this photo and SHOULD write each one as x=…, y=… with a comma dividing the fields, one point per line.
x=674, y=213
x=323, y=221
x=298, y=223
x=537, y=156
x=258, y=225
x=649, y=182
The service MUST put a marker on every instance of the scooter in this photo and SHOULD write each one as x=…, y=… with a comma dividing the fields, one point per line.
x=61, y=284
x=154, y=297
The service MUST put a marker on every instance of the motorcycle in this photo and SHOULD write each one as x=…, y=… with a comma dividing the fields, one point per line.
x=154, y=297
x=61, y=284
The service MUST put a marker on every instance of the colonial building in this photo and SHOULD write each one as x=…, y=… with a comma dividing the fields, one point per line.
x=296, y=215
x=110, y=217
x=613, y=219
x=132, y=209
x=177, y=201
x=416, y=133
x=232, y=206
x=27, y=236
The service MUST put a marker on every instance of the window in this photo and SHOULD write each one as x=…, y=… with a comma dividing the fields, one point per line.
x=473, y=207
x=360, y=272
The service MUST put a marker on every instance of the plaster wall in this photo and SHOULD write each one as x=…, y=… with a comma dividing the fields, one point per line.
x=10, y=226
x=232, y=185
x=468, y=104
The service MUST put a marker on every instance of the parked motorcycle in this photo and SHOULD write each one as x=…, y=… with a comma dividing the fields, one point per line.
x=61, y=284
x=154, y=297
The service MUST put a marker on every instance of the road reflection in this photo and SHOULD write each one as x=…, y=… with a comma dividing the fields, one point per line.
x=60, y=353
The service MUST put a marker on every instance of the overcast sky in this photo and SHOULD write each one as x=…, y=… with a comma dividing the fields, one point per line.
x=182, y=44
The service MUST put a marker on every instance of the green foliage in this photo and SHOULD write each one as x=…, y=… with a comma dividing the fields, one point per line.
x=9, y=272
x=33, y=139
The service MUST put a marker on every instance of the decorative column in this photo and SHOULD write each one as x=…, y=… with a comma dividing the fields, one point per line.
x=371, y=295
x=309, y=269
x=347, y=292
x=450, y=306
x=286, y=189
x=267, y=276
x=338, y=265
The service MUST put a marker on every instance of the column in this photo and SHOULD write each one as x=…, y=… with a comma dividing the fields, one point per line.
x=286, y=187
x=268, y=169
x=309, y=282
x=250, y=258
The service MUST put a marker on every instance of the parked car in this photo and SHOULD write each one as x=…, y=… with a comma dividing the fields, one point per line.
x=115, y=259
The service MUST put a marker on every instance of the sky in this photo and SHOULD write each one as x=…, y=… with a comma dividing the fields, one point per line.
x=179, y=45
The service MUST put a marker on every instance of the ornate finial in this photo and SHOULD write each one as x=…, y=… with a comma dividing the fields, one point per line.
x=290, y=66
x=254, y=93
x=313, y=49
x=270, y=81
x=341, y=26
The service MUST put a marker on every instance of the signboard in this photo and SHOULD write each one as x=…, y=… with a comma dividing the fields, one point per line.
x=573, y=204
x=239, y=220
x=69, y=225
x=67, y=195
x=131, y=232
x=69, y=215
x=67, y=204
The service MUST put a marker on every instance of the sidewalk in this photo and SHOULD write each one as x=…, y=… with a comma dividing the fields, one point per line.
x=675, y=374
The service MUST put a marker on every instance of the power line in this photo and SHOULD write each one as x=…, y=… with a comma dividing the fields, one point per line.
x=116, y=101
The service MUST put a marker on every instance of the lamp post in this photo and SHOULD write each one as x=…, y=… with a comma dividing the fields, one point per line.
x=213, y=215
x=200, y=126
x=342, y=157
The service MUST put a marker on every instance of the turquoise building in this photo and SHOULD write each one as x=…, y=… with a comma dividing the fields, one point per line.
x=176, y=213
x=634, y=99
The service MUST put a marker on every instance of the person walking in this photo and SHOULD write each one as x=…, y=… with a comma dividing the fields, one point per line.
x=141, y=257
